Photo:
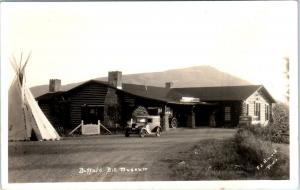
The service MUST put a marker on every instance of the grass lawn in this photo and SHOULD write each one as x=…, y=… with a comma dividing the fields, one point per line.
x=219, y=160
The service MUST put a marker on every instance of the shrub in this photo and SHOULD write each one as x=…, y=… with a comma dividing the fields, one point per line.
x=264, y=133
x=277, y=130
x=277, y=135
x=140, y=111
x=279, y=127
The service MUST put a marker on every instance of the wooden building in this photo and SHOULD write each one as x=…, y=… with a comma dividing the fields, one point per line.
x=192, y=107
x=233, y=102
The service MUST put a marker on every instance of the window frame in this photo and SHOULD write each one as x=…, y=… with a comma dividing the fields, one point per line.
x=227, y=113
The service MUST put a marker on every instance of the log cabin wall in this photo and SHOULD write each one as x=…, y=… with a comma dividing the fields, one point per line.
x=94, y=93
x=45, y=107
x=90, y=94
x=128, y=104
x=58, y=113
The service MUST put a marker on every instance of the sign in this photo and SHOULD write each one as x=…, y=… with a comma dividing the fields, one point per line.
x=90, y=129
x=245, y=120
x=190, y=99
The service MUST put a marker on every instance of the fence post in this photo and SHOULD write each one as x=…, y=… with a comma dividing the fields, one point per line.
x=81, y=126
x=99, y=124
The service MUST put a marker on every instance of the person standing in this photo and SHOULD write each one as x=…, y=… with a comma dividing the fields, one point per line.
x=212, y=119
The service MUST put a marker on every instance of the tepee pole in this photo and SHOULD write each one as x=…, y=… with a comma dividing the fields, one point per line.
x=34, y=118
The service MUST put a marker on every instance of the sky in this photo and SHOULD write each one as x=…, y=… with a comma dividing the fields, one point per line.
x=80, y=41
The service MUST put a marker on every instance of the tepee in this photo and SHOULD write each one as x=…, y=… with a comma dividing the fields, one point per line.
x=25, y=118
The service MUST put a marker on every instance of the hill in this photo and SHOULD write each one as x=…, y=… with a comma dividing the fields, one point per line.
x=197, y=76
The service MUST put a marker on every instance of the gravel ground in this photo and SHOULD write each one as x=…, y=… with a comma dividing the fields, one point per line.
x=102, y=158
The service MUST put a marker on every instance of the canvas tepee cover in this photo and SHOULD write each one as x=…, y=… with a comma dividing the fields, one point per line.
x=24, y=114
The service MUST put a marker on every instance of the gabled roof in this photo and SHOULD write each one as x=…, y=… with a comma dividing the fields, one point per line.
x=150, y=92
x=67, y=89
x=173, y=96
x=222, y=93
x=49, y=95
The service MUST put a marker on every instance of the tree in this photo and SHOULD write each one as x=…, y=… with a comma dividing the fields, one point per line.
x=140, y=111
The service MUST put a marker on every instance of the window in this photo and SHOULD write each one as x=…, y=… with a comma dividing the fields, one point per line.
x=254, y=108
x=257, y=110
x=266, y=112
x=227, y=113
x=247, y=111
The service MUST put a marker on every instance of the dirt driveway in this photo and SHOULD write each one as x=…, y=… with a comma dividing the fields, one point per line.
x=101, y=158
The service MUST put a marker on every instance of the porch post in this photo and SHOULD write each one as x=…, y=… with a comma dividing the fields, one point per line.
x=165, y=119
x=191, y=119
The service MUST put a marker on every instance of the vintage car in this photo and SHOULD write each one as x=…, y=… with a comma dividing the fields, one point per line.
x=144, y=125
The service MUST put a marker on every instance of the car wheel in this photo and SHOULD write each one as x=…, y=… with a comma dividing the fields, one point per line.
x=174, y=123
x=127, y=133
x=158, y=132
x=142, y=133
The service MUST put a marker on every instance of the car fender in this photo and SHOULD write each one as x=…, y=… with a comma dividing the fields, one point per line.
x=155, y=128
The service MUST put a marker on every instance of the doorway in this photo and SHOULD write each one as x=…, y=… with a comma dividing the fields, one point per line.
x=90, y=114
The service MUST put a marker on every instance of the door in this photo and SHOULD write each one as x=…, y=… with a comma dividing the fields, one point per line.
x=90, y=114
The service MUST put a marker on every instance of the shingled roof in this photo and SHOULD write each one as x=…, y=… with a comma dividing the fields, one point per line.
x=151, y=92
x=222, y=93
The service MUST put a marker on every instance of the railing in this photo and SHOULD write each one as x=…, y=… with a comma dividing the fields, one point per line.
x=93, y=127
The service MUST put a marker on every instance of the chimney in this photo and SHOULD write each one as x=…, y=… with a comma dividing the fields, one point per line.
x=115, y=79
x=169, y=85
x=54, y=85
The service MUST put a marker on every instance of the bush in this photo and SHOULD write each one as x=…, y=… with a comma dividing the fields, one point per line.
x=140, y=111
x=279, y=127
x=277, y=130
x=263, y=133
x=277, y=135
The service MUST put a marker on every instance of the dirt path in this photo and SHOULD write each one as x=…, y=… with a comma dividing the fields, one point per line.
x=107, y=158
